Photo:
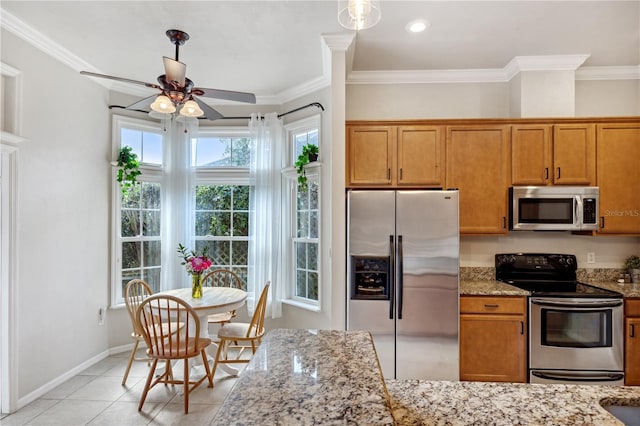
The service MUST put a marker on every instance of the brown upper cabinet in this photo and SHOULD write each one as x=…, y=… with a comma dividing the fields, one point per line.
x=478, y=165
x=619, y=178
x=395, y=156
x=560, y=154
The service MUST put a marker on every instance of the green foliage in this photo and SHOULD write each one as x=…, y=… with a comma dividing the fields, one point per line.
x=129, y=168
x=214, y=206
x=303, y=159
x=632, y=262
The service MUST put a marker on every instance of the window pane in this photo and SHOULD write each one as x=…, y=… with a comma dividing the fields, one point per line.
x=303, y=199
x=151, y=225
x=313, y=137
x=219, y=251
x=130, y=223
x=301, y=284
x=313, y=194
x=151, y=148
x=213, y=152
x=152, y=254
x=241, y=224
x=152, y=277
x=242, y=274
x=240, y=250
x=150, y=195
x=130, y=255
x=132, y=197
x=241, y=152
x=301, y=255
x=313, y=224
x=132, y=138
x=220, y=224
x=312, y=261
x=203, y=222
x=313, y=286
x=241, y=197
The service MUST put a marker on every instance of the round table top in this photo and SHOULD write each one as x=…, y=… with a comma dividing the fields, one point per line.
x=213, y=299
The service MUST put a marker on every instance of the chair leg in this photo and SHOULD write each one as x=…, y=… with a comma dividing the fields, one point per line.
x=205, y=361
x=152, y=371
x=186, y=386
x=131, y=358
x=218, y=353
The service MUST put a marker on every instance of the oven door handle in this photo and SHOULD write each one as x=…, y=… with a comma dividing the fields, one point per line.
x=579, y=377
x=578, y=305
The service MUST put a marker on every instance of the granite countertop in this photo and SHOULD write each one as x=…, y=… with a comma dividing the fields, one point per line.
x=498, y=288
x=304, y=377
x=418, y=402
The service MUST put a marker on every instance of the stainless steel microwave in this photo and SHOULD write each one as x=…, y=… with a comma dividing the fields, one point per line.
x=553, y=208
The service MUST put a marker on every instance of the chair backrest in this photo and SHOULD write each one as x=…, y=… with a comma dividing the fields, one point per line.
x=221, y=278
x=256, y=327
x=170, y=327
x=135, y=292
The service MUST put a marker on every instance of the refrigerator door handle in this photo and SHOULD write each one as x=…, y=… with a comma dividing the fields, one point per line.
x=391, y=275
x=400, y=289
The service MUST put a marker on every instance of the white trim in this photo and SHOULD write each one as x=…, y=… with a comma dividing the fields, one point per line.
x=9, y=252
x=42, y=390
x=15, y=124
x=631, y=72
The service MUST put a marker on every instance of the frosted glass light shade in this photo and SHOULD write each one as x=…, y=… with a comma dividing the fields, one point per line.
x=163, y=104
x=358, y=14
x=191, y=109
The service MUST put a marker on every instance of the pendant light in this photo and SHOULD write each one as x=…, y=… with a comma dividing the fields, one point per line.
x=163, y=105
x=191, y=109
x=358, y=14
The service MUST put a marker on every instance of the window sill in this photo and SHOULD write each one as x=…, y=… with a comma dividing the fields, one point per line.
x=302, y=305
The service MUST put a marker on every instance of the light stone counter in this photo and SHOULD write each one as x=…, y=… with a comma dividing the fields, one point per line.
x=489, y=288
x=418, y=402
x=305, y=377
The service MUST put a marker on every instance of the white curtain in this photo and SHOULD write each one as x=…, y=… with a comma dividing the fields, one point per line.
x=265, y=247
x=178, y=201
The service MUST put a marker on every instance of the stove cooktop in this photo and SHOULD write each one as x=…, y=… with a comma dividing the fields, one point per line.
x=563, y=289
x=544, y=274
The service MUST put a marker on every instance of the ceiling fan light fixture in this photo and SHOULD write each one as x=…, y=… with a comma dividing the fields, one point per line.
x=191, y=109
x=358, y=14
x=163, y=105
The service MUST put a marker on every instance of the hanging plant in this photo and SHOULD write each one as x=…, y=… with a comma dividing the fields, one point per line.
x=128, y=168
x=309, y=154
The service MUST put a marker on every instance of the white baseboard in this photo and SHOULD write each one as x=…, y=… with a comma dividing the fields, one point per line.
x=42, y=390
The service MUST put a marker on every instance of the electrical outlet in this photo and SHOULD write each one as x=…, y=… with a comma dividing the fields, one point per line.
x=591, y=257
x=101, y=314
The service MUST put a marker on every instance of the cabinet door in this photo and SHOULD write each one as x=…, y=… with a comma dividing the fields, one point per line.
x=479, y=165
x=619, y=178
x=530, y=154
x=632, y=352
x=371, y=155
x=420, y=156
x=574, y=154
x=493, y=348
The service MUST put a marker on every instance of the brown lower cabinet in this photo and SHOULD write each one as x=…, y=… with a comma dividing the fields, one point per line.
x=493, y=338
x=632, y=342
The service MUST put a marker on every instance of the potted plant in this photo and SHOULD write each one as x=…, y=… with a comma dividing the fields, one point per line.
x=128, y=168
x=309, y=154
x=632, y=263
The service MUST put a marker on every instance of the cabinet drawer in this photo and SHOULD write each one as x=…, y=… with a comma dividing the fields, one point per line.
x=492, y=305
x=632, y=307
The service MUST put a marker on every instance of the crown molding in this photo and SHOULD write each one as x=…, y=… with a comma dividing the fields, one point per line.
x=631, y=72
x=426, y=76
x=338, y=41
x=544, y=63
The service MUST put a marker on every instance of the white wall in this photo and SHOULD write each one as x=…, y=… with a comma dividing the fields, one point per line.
x=428, y=101
x=63, y=229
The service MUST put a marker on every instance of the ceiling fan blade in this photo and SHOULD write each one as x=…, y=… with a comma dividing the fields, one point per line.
x=124, y=80
x=143, y=104
x=174, y=70
x=226, y=94
x=209, y=112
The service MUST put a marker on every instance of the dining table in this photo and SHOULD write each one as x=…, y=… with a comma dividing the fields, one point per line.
x=214, y=300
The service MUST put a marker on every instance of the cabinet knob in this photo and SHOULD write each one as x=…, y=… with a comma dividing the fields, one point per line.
x=488, y=306
x=632, y=330
x=557, y=172
x=546, y=173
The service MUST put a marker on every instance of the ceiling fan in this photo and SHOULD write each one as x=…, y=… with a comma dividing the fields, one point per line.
x=177, y=91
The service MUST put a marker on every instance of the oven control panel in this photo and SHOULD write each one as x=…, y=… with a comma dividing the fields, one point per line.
x=509, y=264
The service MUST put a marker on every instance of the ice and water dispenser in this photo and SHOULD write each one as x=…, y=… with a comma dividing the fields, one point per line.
x=370, y=277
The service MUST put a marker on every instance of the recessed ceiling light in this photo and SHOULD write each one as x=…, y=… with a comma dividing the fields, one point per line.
x=417, y=26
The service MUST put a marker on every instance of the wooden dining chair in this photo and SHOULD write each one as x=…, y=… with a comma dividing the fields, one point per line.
x=221, y=278
x=134, y=293
x=175, y=343
x=233, y=335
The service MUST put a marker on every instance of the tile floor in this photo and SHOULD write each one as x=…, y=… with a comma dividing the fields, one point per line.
x=96, y=397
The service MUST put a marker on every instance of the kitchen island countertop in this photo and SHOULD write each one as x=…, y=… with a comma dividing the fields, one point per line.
x=420, y=402
x=498, y=288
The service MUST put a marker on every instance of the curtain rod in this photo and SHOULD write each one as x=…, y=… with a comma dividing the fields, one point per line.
x=312, y=104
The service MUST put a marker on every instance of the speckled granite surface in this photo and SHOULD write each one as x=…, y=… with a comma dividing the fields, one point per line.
x=309, y=377
x=417, y=402
x=489, y=288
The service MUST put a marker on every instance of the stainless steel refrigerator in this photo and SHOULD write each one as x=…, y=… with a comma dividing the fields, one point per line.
x=402, y=279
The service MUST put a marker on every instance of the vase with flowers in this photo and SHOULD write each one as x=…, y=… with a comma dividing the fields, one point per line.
x=195, y=263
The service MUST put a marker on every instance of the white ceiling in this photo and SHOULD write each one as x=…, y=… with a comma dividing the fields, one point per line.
x=269, y=47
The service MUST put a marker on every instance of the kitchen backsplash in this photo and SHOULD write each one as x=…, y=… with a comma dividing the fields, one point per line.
x=479, y=273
